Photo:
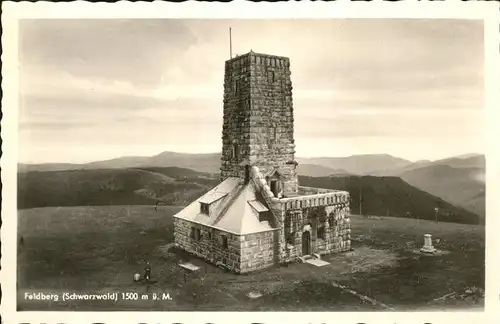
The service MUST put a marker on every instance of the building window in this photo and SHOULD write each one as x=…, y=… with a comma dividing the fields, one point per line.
x=209, y=234
x=270, y=77
x=197, y=234
x=247, y=173
x=204, y=209
x=321, y=232
x=290, y=238
x=192, y=235
x=235, y=151
x=274, y=187
x=224, y=242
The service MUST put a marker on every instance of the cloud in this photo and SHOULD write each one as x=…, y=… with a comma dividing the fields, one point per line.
x=389, y=123
x=159, y=82
x=113, y=49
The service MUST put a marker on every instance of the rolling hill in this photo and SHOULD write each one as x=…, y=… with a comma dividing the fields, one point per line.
x=209, y=162
x=179, y=186
x=391, y=196
x=454, y=179
x=172, y=186
x=463, y=161
x=314, y=170
x=459, y=180
x=461, y=186
x=359, y=164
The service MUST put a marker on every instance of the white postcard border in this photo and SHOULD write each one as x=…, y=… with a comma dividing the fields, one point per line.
x=487, y=11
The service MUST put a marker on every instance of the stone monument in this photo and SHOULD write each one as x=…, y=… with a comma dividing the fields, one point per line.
x=428, y=248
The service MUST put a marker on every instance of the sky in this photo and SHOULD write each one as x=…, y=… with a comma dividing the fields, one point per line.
x=99, y=89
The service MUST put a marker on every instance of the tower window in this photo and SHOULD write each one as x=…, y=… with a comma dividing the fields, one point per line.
x=274, y=187
x=235, y=151
x=247, y=173
x=270, y=76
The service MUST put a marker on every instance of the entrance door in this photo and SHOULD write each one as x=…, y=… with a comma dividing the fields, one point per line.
x=306, y=243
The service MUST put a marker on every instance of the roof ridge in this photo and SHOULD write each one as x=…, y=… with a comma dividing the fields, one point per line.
x=230, y=199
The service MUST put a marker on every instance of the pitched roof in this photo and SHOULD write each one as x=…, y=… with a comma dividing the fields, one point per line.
x=233, y=213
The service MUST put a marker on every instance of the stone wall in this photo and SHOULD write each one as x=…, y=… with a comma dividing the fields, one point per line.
x=257, y=251
x=271, y=118
x=305, y=191
x=337, y=230
x=244, y=253
x=300, y=210
x=209, y=247
x=258, y=117
x=334, y=219
x=236, y=122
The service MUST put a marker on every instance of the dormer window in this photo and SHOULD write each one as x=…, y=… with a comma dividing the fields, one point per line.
x=209, y=199
x=204, y=209
x=261, y=210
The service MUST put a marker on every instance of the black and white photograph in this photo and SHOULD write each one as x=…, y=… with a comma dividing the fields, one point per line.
x=250, y=165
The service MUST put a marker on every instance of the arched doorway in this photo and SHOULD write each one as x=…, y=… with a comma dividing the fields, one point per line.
x=306, y=243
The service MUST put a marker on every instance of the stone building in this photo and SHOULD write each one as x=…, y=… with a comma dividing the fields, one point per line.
x=259, y=215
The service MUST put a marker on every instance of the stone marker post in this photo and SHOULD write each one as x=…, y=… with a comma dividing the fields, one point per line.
x=428, y=248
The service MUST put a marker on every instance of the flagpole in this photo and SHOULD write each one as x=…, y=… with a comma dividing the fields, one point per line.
x=230, y=45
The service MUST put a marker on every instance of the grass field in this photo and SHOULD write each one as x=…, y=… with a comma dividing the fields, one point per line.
x=98, y=249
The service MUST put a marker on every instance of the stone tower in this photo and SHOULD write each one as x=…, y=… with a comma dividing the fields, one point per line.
x=258, y=121
x=258, y=215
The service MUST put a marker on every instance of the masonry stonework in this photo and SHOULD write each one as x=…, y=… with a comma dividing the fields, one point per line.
x=283, y=222
x=242, y=253
x=258, y=118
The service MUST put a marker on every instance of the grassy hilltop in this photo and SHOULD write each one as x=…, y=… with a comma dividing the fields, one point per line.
x=92, y=229
x=146, y=186
x=98, y=249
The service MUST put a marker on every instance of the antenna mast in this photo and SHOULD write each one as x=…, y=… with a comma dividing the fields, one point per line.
x=230, y=45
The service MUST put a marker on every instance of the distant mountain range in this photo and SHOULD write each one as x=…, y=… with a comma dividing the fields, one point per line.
x=209, y=163
x=357, y=164
x=179, y=186
x=458, y=180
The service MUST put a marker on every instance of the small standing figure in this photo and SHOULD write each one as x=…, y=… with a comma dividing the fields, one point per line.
x=147, y=271
x=21, y=241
